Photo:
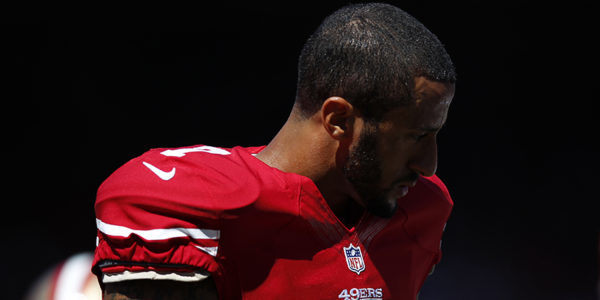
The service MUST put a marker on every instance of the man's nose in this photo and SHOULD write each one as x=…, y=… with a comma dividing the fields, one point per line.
x=424, y=161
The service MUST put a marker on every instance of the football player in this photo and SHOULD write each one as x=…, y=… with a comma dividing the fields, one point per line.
x=343, y=203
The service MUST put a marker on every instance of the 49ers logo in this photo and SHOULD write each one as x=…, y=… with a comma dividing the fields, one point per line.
x=354, y=259
x=361, y=294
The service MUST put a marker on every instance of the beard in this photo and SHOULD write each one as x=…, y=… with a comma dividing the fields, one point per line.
x=363, y=171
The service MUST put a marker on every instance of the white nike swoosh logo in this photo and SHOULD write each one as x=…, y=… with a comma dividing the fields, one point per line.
x=160, y=173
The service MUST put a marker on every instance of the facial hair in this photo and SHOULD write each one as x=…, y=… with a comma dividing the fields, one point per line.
x=363, y=170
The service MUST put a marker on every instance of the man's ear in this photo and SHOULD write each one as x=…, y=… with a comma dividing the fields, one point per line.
x=338, y=116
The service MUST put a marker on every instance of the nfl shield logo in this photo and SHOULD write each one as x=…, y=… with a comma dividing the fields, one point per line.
x=354, y=259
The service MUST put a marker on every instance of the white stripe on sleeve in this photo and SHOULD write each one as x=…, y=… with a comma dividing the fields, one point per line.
x=209, y=250
x=158, y=234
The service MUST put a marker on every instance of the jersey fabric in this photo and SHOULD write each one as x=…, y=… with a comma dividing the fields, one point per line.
x=259, y=232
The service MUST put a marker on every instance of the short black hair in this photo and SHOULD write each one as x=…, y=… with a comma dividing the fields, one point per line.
x=369, y=54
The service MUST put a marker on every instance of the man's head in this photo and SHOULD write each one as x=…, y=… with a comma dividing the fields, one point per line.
x=382, y=84
x=388, y=156
x=369, y=54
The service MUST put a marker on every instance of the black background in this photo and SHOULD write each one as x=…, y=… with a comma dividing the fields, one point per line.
x=87, y=88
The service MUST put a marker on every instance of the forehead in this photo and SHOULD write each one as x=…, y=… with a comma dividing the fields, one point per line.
x=428, y=111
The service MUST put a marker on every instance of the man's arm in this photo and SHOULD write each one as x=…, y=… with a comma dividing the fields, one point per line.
x=160, y=289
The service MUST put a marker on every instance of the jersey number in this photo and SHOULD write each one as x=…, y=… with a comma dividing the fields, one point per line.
x=182, y=151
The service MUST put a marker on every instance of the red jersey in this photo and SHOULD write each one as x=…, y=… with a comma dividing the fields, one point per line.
x=261, y=233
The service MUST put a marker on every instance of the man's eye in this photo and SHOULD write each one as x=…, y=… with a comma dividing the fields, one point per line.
x=420, y=136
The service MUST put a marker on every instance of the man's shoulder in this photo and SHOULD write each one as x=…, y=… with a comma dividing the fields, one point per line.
x=198, y=176
x=178, y=201
x=198, y=159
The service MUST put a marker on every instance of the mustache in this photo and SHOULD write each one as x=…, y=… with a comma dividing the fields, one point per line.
x=413, y=177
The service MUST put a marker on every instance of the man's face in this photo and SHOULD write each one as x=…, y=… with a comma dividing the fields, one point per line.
x=390, y=155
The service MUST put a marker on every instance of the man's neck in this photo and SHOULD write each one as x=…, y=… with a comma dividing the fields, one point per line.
x=297, y=148
x=303, y=148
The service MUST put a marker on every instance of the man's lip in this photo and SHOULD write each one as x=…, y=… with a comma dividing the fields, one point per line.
x=402, y=188
x=407, y=184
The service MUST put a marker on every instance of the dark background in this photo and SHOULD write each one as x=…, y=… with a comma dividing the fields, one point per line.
x=84, y=89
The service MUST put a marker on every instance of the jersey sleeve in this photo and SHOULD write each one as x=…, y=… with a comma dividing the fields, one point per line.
x=159, y=215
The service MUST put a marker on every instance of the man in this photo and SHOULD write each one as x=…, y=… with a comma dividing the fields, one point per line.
x=343, y=203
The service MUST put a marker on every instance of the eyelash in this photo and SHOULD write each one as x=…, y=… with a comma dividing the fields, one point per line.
x=419, y=137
